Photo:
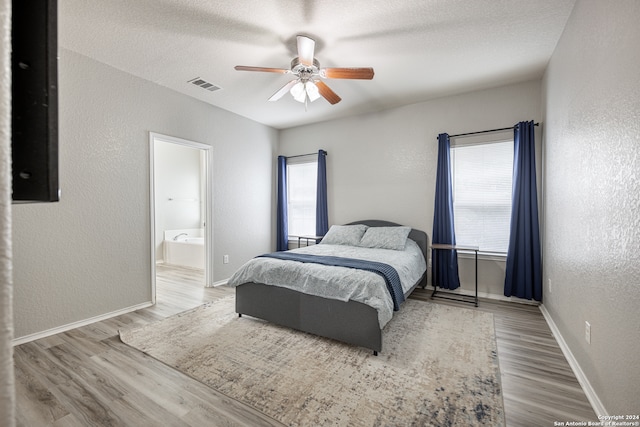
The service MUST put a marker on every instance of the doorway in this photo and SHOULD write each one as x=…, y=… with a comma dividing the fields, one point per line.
x=181, y=205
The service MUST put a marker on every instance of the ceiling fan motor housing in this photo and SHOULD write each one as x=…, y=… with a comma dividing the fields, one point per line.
x=305, y=72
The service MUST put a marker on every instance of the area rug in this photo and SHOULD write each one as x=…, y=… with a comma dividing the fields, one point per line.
x=438, y=366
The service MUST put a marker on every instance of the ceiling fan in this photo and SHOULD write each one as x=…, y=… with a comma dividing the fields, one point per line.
x=307, y=85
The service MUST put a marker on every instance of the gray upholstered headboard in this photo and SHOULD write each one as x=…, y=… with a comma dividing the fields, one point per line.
x=418, y=236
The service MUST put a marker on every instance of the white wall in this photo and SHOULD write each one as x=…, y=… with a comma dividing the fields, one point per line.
x=7, y=387
x=592, y=196
x=383, y=165
x=90, y=254
x=178, y=201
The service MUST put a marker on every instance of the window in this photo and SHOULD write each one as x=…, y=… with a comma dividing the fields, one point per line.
x=301, y=193
x=482, y=177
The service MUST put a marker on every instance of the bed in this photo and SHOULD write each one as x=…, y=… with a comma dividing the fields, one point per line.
x=299, y=301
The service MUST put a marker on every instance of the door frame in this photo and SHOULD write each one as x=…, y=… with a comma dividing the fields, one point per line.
x=208, y=204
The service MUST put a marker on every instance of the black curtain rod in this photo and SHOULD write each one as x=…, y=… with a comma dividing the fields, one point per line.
x=485, y=131
x=308, y=154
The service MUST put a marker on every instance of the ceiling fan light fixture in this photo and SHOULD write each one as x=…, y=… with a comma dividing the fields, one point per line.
x=298, y=92
x=303, y=91
x=312, y=91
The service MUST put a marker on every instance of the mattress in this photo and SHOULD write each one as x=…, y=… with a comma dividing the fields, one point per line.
x=339, y=283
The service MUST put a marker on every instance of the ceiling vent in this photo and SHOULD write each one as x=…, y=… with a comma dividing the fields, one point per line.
x=204, y=84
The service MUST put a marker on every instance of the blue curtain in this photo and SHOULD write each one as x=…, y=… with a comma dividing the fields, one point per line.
x=523, y=277
x=322, y=213
x=444, y=270
x=282, y=218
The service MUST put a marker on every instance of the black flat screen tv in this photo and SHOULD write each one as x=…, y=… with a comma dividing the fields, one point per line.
x=34, y=101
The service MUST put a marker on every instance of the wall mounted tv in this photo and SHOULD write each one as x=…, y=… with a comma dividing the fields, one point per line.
x=34, y=109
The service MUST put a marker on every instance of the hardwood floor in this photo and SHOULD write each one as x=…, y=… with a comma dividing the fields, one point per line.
x=87, y=377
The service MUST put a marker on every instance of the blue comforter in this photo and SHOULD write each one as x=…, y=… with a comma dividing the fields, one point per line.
x=390, y=275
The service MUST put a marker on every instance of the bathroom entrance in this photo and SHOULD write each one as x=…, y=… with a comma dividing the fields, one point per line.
x=180, y=205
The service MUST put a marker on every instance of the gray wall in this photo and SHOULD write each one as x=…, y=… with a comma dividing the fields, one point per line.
x=90, y=254
x=383, y=165
x=592, y=196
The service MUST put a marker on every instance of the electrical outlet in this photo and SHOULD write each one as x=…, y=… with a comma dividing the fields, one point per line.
x=587, y=332
x=225, y=259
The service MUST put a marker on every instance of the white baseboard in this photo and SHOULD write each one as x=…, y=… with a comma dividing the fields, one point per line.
x=74, y=325
x=218, y=283
x=593, y=398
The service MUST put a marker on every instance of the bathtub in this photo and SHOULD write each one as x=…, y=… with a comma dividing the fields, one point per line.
x=185, y=251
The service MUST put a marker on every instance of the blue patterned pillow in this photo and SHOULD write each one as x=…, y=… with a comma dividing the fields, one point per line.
x=344, y=235
x=385, y=237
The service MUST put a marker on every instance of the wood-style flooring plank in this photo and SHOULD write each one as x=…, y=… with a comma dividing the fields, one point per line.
x=87, y=376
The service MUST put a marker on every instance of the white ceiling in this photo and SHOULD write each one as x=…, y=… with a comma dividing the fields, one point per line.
x=419, y=49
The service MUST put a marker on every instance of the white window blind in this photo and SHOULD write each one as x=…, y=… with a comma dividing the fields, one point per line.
x=482, y=179
x=301, y=194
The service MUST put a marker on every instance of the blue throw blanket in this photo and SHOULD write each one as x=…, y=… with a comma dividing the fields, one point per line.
x=390, y=275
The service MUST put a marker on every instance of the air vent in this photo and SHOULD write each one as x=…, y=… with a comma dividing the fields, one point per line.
x=204, y=84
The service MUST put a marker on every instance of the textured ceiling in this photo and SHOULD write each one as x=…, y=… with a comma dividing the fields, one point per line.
x=419, y=49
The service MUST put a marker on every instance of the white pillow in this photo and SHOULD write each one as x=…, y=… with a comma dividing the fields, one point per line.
x=344, y=235
x=385, y=237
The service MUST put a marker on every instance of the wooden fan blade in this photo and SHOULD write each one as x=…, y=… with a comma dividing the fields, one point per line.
x=284, y=89
x=306, y=48
x=327, y=93
x=267, y=70
x=348, y=73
